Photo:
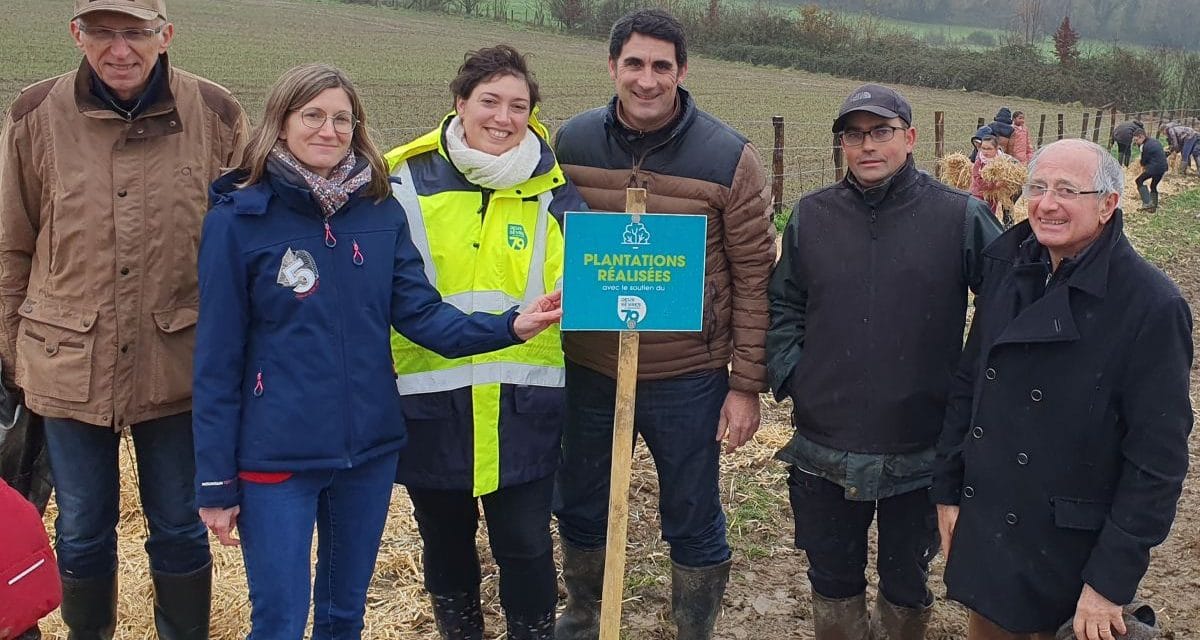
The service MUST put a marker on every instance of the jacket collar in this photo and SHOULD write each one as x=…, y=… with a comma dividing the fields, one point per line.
x=254, y=199
x=163, y=100
x=1044, y=314
x=684, y=119
x=1019, y=246
x=874, y=196
x=546, y=176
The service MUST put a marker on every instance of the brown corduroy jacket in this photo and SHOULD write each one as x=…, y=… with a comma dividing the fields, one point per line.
x=701, y=166
x=99, y=228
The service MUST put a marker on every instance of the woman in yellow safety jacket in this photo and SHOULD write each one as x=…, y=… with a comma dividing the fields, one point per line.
x=485, y=200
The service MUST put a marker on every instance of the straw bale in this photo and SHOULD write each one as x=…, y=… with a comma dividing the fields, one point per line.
x=1006, y=177
x=956, y=171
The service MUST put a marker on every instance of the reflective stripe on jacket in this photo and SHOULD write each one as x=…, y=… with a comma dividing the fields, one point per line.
x=484, y=251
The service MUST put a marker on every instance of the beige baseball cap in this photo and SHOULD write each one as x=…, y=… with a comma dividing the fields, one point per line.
x=140, y=9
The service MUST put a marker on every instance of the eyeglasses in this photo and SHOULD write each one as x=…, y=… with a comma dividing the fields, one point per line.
x=1062, y=193
x=853, y=138
x=132, y=36
x=343, y=121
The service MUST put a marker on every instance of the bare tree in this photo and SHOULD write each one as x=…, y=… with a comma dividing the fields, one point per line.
x=1027, y=20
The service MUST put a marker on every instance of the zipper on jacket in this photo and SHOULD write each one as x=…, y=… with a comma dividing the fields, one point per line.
x=330, y=239
x=485, y=197
x=258, y=384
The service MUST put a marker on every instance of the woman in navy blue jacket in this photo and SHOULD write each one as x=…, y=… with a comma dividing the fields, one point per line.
x=306, y=263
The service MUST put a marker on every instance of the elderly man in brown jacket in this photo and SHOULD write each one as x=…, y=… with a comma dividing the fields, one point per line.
x=103, y=184
x=695, y=389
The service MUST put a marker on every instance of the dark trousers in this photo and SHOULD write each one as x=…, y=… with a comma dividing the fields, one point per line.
x=1124, y=153
x=677, y=417
x=833, y=532
x=87, y=486
x=1154, y=179
x=518, y=522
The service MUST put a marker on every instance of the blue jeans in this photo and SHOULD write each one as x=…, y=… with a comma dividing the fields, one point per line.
x=677, y=418
x=87, y=487
x=349, y=507
x=1191, y=149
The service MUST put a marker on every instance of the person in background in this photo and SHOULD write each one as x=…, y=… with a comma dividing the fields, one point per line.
x=977, y=138
x=989, y=151
x=1019, y=145
x=1181, y=139
x=1154, y=167
x=1123, y=136
x=103, y=183
x=306, y=264
x=487, y=198
x=1002, y=127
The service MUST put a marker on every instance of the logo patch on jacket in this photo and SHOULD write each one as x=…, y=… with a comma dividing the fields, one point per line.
x=516, y=237
x=298, y=272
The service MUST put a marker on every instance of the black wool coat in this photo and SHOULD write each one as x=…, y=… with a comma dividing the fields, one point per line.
x=1066, y=440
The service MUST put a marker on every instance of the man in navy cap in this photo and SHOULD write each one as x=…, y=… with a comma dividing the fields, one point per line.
x=867, y=308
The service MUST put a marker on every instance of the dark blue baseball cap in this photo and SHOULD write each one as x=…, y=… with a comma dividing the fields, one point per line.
x=877, y=99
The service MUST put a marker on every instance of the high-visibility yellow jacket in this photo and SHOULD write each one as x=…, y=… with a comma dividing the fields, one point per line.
x=492, y=420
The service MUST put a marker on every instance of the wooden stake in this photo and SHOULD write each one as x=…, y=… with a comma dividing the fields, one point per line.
x=622, y=459
x=939, y=140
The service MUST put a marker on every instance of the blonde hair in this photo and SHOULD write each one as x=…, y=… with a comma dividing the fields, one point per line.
x=295, y=88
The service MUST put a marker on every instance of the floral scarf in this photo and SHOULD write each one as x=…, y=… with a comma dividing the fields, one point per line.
x=331, y=193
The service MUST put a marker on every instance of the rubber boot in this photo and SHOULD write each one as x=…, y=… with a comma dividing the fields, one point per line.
x=583, y=576
x=458, y=616
x=1153, y=202
x=182, y=604
x=841, y=619
x=696, y=598
x=1144, y=192
x=538, y=628
x=893, y=622
x=89, y=607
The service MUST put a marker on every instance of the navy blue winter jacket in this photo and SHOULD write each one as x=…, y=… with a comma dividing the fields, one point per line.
x=293, y=365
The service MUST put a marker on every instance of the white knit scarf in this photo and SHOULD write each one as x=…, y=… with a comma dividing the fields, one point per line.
x=486, y=170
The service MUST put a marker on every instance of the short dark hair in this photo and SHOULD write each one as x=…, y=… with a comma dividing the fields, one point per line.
x=1018, y=114
x=488, y=63
x=654, y=23
x=990, y=138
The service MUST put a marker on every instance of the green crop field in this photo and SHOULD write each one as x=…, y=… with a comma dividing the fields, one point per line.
x=402, y=62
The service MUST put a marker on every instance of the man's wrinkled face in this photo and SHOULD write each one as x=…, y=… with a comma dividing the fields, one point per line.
x=1066, y=226
x=123, y=60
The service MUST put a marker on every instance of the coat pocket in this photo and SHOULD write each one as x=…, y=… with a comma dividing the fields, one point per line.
x=532, y=400
x=54, y=350
x=1084, y=515
x=174, y=341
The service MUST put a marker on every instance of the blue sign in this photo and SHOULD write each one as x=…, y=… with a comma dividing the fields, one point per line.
x=642, y=272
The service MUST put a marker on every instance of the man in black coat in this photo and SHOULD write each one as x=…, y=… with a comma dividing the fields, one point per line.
x=1066, y=440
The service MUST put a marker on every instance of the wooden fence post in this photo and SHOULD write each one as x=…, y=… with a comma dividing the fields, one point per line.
x=1086, y=117
x=980, y=125
x=1112, y=127
x=839, y=169
x=777, y=165
x=1096, y=126
x=1061, y=131
x=939, y=141
x=1041, y=130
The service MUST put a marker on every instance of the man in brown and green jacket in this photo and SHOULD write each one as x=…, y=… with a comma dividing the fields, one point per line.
x=695, y=390
x=104, y=174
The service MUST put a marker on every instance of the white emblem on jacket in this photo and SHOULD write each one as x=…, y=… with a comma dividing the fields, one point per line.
x=298, y=271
